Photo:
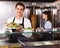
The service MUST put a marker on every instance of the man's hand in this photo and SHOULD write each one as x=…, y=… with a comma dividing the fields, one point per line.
x=19, y=29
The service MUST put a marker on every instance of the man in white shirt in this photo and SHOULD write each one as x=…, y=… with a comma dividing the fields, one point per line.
x=20, y=20
x=19, y=8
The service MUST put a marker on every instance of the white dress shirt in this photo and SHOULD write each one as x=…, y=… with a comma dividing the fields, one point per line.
x=26, y=21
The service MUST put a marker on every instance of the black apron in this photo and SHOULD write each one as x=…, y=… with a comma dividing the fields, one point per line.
x=13, y=38
x=21, y=23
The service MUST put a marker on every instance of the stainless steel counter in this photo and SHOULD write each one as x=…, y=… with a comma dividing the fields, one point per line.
x=4, y=44
x=38, y=44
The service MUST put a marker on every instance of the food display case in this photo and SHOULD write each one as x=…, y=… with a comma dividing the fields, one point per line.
x=34, y=41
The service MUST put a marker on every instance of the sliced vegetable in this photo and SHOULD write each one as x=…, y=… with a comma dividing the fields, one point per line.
x=13, y=25
x=29, y=28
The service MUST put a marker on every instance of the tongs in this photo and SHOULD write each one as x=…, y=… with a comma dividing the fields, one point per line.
x=22, y=43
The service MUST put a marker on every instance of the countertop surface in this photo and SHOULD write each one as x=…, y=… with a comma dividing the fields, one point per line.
x=32, y=43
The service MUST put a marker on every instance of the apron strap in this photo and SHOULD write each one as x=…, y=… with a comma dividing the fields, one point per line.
x=22, y=21
x=13, y=19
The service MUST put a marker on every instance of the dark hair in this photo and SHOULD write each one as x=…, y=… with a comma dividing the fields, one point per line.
x=49, y=16
x=21, y=4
